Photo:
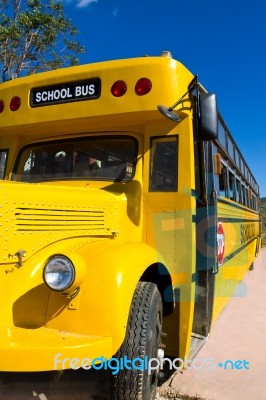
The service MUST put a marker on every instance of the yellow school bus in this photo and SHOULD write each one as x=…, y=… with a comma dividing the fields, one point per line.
x=128, y=218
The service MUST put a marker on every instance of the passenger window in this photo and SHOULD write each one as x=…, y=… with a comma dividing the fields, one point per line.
x=223, y=182
x=232, y=188
x=163, y=165
x=238, y=191
x=221, y=135
x=243, y=194
x=231, y=151
x=247, y=197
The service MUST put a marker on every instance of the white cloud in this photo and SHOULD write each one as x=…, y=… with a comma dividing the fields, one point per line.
x=80, y=3
x=85, y=3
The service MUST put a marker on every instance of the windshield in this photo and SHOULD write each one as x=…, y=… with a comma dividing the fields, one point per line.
x=94, y=158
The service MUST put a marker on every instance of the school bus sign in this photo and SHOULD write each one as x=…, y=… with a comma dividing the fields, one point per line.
x=73, y=91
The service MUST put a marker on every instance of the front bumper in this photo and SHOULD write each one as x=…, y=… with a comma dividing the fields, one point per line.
x=44, y=349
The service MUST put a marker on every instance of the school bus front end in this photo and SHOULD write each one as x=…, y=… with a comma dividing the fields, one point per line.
x=60, y=290
x=71, y=258
x=76, y=241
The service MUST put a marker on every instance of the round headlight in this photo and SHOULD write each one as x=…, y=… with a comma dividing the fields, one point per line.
x=59, y=273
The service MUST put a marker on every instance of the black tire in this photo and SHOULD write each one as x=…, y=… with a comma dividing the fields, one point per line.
x=143, y=338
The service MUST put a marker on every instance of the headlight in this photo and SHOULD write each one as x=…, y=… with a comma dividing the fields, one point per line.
x=59, y=273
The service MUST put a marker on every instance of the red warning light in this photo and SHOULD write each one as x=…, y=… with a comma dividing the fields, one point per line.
x=15, y=103
x=143, y=86
x=119, y=88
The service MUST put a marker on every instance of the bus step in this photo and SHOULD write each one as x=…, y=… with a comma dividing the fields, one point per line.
x=196, y=343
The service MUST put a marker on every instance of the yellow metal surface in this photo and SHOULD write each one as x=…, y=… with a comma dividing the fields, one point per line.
x=170, y=230
x=45, y=349
x=163, y=72
x=39, y=217
x=241, y=230
x=106, y=281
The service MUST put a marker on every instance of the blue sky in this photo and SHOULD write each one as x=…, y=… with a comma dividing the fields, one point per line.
x=223, y=41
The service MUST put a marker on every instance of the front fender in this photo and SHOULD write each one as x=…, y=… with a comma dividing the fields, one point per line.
x=103, y=304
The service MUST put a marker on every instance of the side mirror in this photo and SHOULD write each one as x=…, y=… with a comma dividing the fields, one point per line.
x=208, y=117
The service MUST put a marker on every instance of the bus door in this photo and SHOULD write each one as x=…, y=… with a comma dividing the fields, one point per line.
x=170, y=207
x=206, y=244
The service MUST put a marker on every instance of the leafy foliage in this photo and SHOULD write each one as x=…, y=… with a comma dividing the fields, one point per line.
x=35, y=37
x=263, y=214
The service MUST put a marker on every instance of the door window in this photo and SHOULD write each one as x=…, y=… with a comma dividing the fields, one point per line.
x=163, y=166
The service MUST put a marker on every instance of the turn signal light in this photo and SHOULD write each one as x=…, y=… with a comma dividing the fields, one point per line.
x=119, y=88
x=15, y=103
x=143, y=86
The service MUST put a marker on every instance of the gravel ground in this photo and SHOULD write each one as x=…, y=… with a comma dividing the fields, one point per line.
x=167, y=392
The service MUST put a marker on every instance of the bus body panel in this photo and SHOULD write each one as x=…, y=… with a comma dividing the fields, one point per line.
x=170, y=230
x=241, y=232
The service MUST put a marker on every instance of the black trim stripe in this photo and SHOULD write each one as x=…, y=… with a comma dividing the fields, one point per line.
x=237, y=220
x=228, y=258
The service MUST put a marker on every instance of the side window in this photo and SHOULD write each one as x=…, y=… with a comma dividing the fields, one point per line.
x=238, y=191
x=163, y=165
x=231, y=151
x=247, y=196
x=232, y=188
x=223, y=182
x=243, y=194
x=3, y=160
x=221, y=134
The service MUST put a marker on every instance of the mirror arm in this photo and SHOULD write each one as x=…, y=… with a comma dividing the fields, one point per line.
x=168, y=112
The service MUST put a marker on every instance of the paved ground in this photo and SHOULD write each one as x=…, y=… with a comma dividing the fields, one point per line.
x=238, y=335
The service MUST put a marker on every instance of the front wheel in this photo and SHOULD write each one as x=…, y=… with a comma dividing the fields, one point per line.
x=142, y=341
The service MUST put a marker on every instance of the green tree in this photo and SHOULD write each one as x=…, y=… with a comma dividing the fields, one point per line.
x=35, y=36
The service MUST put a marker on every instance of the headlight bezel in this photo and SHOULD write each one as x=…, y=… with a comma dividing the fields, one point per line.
x=63, y=261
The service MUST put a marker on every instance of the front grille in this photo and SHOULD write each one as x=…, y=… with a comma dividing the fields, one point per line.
x=32, y=219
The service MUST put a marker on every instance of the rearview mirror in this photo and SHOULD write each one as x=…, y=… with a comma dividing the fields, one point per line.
x=208, y=117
